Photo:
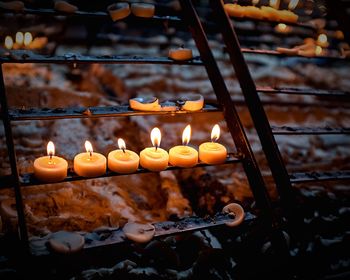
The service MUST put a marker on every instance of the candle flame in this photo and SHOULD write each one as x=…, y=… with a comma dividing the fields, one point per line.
x=19, y=38
x=293, y=4
x=121, y=144
x=322, y=38
x=275, y=4
x=255, y=2
x=50, y=149
x=156, y=137
x=88, y=147
x=186, y=135
x=28, y=38
x=281, y=27
x=215, y=133
x=8, y=42
x=318, y=50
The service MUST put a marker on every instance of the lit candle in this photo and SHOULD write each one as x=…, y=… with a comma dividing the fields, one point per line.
x=50, y=168
x=322, y=40
x=211, y=152
x=183, y=155
x=90, y=164
x=19, y=38
x=8, y=42
x=122, y=160
x=28, y=38
x=275, y=4
x=154, y=158
x=283, y=28
x=255, y=2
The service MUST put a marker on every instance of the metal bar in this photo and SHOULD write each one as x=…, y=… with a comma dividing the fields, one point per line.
x=95, y=112
x=305, y=177
x=288, y=130
x=301, y=91
x=231, y=116
x=13, y=163
x=23, y=56
x=255, y=107
x=99, y=14
x=278, y=54
x=162, y=229
x=28, y=179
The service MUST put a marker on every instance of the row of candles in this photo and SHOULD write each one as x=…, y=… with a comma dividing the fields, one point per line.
x=52, y=168
x=21, y=40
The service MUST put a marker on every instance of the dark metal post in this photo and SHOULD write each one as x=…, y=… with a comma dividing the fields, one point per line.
x=262, y=126
x=13, y=162
x=223, y=96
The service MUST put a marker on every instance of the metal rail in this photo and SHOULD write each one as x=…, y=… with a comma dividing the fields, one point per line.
x=28, y=179
x=14, y=178
x=289, y=130
x=95, y=112
x=255, y=107
x=304, y=91
x=315, y=176
x=23, y=56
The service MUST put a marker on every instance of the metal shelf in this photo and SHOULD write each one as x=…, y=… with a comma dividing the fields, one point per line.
x=95, y=112
x=98, y=14
x=29, y=179
x=278, y=54
x=304, y=177
x=23, y=56
x=299, y=91
x=162, y=229
x=287, y=130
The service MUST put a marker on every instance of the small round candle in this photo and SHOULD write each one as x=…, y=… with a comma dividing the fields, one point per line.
x=50, y=168
x=122, y=160
x=90, y=164
x=211, y=152
x=183, y=155
x=154, y=158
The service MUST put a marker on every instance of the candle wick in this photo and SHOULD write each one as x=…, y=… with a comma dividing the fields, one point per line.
x=123, y=150
x=90, y=153
x=156, y=146
x=50, y=156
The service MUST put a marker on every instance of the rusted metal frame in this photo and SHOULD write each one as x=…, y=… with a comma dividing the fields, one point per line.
x=316, y=176
x=14, y=179
x=234, y=125
x=261, y=123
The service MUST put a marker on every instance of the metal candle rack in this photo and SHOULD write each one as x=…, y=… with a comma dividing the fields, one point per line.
x=224, y=104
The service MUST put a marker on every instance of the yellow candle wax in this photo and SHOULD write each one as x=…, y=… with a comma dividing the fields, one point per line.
x=270, y=13
x=155, y=158
x=122, y=160
x=50, y=168
x=90, y=164
x=253, y=12
x=234, y=10
x=184, y=156
x=287, y=16
x=211, y=152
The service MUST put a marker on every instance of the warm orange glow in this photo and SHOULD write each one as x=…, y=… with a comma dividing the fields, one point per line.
x=88, y=147
x=19, y=38
x=215, y=133
x=318, y=50
x=186, y=135
x=8, y=42
x=156, y=137
x=121, y=144
x=28, y=38
x=275, y=4
x=50, y=149
x=293, y=4
x=322, y=39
